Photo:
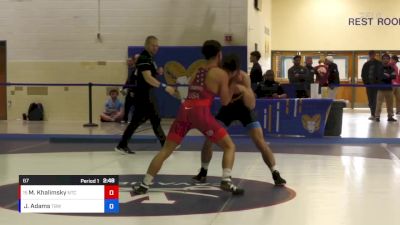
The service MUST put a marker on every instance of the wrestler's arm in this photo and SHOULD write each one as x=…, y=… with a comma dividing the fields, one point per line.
x=248, y=95
x=226, y=88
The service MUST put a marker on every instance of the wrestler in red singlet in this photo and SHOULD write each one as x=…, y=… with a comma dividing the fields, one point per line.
x=195, y=113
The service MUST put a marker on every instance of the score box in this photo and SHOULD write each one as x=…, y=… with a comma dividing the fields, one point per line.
x=111, y=196
x=68, y=194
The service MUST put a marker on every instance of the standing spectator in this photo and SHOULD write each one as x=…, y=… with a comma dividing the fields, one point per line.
x=129, y=87
x=256, y=71
x=321, y=74
x=114, y=110
x=145, y=102
x=298, y=75
x=311, y=73
x=385, y=93
x=396, y=90
x=333, y=77
x=370, y=72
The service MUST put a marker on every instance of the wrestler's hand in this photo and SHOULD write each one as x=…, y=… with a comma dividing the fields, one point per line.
x=237, y=77
x=241, y=88
x=240, y=77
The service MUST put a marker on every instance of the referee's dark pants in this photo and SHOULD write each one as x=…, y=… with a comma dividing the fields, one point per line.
x=129, y=101
x=144, y=109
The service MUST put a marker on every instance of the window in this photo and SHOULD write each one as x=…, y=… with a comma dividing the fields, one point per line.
x=362, y=59
x=286, y=63
x=343, y=66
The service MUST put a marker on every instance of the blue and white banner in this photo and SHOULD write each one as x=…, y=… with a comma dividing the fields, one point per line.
x=294, y=116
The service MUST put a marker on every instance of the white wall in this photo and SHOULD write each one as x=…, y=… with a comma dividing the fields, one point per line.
x=259, y=30
x=55, y=41
x=66, y=29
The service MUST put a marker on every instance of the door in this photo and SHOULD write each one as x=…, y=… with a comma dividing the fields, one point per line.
x=3, y=79
x=345, y=63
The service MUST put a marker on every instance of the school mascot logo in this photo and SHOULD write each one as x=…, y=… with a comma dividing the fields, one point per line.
x=311, y=124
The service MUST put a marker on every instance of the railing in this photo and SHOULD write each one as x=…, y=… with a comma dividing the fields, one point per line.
x=90, y=93
x=90, y=86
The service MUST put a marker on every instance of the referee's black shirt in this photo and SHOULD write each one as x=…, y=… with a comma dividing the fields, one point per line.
x=145, y=62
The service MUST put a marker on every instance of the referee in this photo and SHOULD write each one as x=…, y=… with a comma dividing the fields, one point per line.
x=144, y=101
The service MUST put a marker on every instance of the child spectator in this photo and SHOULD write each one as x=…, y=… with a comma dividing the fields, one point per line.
x=114, y=110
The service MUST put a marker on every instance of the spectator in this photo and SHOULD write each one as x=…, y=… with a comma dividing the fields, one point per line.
x=396, y=90
x=160, y=71
x=370, y=72
x=321, y=74
x=269, y=88
x=311, y=73
x=256, y=71
x=113, y=108
x=385, y=93
x=333, y=77
x=297, y=77
x=129, y=88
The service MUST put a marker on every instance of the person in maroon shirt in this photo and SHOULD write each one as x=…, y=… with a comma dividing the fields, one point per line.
x=396, y=89
x=321, y=74
x=385, y=93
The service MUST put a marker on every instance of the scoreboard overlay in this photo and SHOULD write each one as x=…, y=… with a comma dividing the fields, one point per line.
x=68, y=194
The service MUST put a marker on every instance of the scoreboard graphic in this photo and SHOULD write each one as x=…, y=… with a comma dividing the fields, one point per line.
x=68, y=194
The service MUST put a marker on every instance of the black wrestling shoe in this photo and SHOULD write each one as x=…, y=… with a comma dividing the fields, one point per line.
x=201, y=177
x=391, y=119
x=124, y=150
x=279, y=181
x=140, y=190
x=227, y=185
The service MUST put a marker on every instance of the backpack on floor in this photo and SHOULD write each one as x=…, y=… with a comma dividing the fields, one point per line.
x=35, y=111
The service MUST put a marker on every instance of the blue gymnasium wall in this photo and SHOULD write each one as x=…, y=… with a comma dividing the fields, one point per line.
x=186, y=55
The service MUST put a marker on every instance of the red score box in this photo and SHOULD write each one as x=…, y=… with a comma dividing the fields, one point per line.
x=111, y=192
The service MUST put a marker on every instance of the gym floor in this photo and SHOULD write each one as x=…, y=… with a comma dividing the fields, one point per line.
x=354, y=179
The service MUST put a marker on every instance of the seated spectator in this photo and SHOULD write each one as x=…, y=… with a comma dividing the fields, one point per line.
x=114, y=110
x=269, y=88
